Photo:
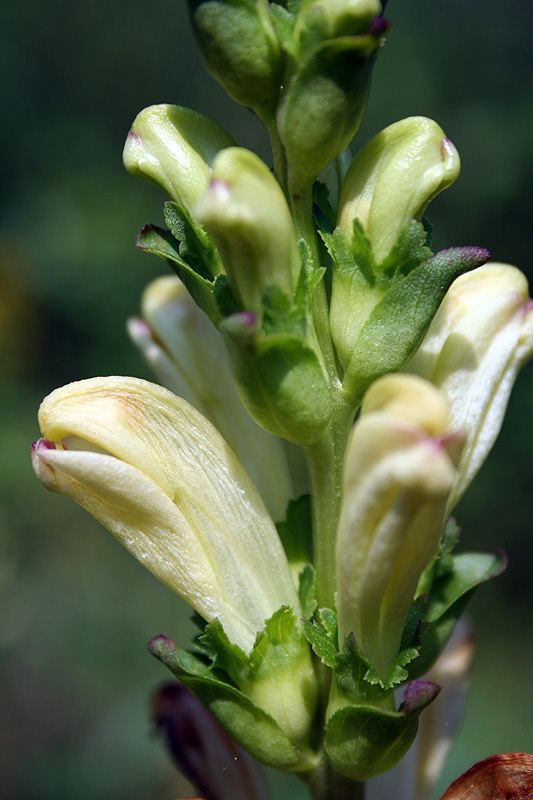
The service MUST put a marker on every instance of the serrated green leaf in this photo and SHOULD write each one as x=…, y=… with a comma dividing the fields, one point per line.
x=415, y=623
x=228, y=657
x=397, y=673
x=398, y=323
x=428, y=227
x=409, y=251
x=160, y=242
x=448, y=597
x=322, y=645
x=307, y=591
x=327, y=619
x=281, y=315
x=196, y=246
x=351, y=666
x=296, y=533
x=278, y=645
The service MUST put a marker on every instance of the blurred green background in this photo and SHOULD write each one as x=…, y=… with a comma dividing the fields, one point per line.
x=76, y=609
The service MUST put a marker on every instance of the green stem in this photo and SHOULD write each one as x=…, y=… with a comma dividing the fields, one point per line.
x=326, y=457
x=326, y=461
x=326, y=784
x=278, y=154
x=300, y=196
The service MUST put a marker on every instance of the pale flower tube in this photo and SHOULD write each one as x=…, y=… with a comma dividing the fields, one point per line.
x=161, y=479
x=400, y=467
x=188, y=356
x=478, y=341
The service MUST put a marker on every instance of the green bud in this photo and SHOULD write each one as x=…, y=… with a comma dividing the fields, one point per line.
x=324, y=100
x=240, y=48
x=174, y=147
x=393, y=179
x=246, y=212
x=319, y=20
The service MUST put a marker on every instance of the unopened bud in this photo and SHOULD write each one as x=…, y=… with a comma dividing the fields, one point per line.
x=246, y=212
x=393, y=179
x=175, y=147
x=240, y=48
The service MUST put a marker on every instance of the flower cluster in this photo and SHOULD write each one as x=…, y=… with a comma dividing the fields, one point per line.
x=333, y=386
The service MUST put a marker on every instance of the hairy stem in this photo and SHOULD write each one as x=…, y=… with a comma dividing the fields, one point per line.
x=326, y=460
x=326, y=784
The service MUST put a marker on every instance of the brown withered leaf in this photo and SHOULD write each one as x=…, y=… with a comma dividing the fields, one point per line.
x=508, y=776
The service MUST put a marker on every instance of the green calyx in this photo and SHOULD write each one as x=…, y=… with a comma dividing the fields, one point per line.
x=240, y=48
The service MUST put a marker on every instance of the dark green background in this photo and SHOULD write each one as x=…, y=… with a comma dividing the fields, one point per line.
x=76, y=609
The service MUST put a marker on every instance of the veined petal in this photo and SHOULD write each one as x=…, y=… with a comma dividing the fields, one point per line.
x=399, y=469
x=188, y=356
x=478, y=341
x=167, y=485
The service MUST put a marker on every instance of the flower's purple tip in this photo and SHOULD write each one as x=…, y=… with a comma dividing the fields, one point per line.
x=145, y=230
x=504, y=560
x=246, y=319
x=378, y=26
x=471, y=257
x=241, y=326
x=162, y=648
x=43, y=444
x=418, y=695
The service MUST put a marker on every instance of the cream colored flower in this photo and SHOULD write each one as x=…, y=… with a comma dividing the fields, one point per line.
x=188, y=356
x=479, y=339
x=160, y=477
x=399, y=469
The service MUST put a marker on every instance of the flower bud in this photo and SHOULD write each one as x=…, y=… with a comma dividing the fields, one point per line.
x=319, y=20
x=174, y=147
x=479, y=339
x=245, y=211
x=393, y=178
x=240, y=48
x=161, y=479
x=323, y=102
x=188, y=356
x=399, y=469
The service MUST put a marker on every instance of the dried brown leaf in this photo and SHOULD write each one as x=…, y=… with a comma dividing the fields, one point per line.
x=507, y=776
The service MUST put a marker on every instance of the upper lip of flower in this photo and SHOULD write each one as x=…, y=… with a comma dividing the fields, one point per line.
x=162, y=479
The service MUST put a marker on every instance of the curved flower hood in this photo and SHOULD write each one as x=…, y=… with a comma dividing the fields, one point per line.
x=160, y=477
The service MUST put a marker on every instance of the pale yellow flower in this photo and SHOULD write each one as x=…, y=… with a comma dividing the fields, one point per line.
x=160, y=477
x=479, y=339
x=399, y=469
